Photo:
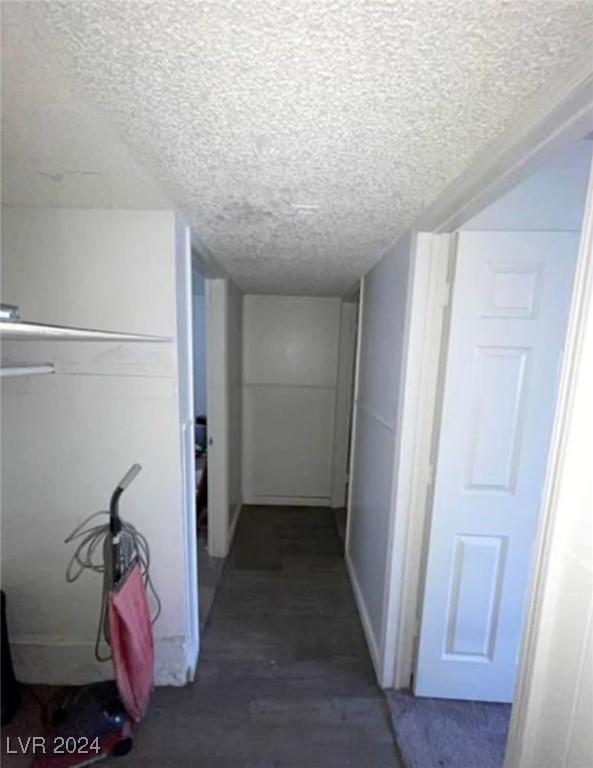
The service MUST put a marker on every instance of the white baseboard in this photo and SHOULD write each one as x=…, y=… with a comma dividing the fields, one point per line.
x=192, y=656
x=288, y=501
x=364, y=618
x=55, y=662
x=171, y=663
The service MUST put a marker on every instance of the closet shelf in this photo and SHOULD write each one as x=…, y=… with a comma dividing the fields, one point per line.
x=25, y=369
x=15, y=330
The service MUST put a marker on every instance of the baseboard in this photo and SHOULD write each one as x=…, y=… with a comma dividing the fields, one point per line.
x=171, y=663
x=192, y=656
x=364, y=618
x=55, y=662
x=288, y=501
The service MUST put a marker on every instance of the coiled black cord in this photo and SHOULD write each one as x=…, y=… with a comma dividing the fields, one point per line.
x=94, y=553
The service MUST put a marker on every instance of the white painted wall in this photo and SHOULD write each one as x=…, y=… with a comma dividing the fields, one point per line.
x=552, y=198
x=382, y=339
x=290, y=357
x=67, y=438
x=199, y=342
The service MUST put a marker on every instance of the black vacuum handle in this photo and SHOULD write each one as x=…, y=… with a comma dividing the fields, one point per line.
x=132, y=472
x=114, y=523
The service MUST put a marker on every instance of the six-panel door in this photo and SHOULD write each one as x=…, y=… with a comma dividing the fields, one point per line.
x=511, y=297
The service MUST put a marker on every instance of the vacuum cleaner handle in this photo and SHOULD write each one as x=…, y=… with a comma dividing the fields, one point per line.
x=115, y=522
x=115, y=525
x=132, y=472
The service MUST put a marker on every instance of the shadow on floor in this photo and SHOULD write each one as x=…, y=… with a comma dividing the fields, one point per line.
x=440, y=733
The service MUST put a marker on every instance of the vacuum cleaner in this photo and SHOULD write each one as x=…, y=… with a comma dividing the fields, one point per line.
x=99, y=720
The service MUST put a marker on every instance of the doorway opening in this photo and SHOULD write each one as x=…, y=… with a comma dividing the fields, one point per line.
x=209, y=568
x=511, y=271
x=200, y=401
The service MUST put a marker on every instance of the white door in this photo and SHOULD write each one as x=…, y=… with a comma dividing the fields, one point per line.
x=511, y=298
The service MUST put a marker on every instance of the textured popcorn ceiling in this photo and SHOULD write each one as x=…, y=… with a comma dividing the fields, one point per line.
x=56, y=149
x=301, y=138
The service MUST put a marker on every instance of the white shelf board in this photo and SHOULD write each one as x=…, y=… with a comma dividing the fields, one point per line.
x=17, y=331
x=25, y=369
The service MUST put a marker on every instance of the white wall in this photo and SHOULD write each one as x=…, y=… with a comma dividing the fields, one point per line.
x=382, y=338
x=68, y=438
x=290, y=356
x=553, y=198
x=199, y=342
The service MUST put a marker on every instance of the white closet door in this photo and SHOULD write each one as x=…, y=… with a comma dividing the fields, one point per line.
x=510, y=304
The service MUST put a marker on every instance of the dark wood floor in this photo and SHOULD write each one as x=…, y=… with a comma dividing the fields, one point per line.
x=284, y=678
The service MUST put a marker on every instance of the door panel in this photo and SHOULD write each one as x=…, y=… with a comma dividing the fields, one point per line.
x=474, y=604
x=496, y=411
x=510, y=305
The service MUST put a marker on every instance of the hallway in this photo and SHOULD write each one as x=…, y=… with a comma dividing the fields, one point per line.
x=284, y=678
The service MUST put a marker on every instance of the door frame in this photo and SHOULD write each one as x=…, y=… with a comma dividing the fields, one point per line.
x=343, y=407
x=556, y=120
x=217, y=405
x=430, y=291
x=185, y=359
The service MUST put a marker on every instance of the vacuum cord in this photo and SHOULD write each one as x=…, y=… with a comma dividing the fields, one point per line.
x=94, y=553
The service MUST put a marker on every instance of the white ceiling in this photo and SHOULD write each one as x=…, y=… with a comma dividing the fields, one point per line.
x=58, y=150
x=299, y=138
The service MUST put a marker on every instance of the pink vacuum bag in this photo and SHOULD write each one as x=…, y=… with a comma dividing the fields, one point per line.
x=132, y=643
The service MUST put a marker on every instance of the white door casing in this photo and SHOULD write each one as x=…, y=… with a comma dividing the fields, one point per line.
x=344, y=390
x=186, y=425
x=217, y=406
x=510, y=303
